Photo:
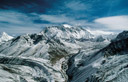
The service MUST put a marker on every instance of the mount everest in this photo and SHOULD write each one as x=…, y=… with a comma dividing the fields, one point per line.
x=64, y=53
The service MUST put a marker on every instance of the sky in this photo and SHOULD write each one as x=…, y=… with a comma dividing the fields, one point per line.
x=31, y=16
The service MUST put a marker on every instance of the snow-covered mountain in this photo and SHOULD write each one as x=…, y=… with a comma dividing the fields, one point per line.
x=5, y=37
x=67, y=32
x=46, y=51
x=50, y=37
x=105, y=65
x=42, y=57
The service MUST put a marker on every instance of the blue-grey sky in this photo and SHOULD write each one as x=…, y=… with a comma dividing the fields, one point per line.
x=29, y=16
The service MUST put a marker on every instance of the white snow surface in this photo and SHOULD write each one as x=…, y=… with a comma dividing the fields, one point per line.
x=67, y=25
x=5, y=37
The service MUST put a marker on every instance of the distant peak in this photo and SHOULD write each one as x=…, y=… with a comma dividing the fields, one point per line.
x=5, y=37
x=122, y=35
x=99, y=32
x=4, y=33
x=67, y=25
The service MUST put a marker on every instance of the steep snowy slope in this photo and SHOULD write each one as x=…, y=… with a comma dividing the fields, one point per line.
x=106, y=65
x=44, y=51
x=5, y=37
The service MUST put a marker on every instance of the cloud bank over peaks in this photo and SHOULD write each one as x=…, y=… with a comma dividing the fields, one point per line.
x=114, y=22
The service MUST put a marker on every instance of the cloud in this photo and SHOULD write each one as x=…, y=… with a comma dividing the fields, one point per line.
x=61, y=19
x=55, y=18
x=76, y=5
x=114, y=22
x=15, y=22
x=13, y=17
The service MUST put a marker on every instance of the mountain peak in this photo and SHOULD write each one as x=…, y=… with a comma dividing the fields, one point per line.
x=67, y=32
x=5, y=37
x=121, y=36
x=67, y=25
x=4, y=34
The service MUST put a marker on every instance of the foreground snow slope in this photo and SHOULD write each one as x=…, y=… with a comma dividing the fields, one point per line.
x=106, y=65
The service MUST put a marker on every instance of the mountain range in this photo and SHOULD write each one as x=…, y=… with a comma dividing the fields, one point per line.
x=64, y=53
